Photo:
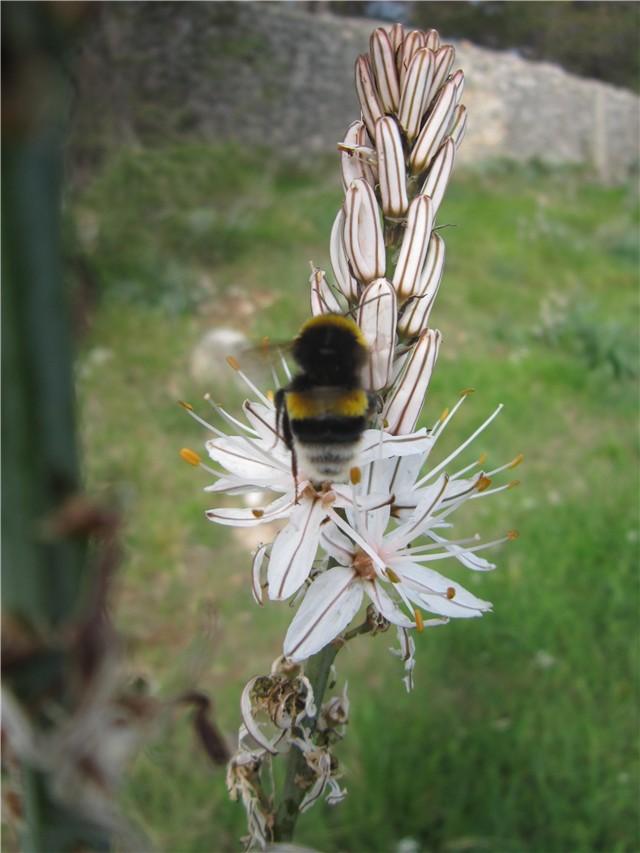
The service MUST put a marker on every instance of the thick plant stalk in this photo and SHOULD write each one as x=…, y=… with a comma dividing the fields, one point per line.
x=44, y=556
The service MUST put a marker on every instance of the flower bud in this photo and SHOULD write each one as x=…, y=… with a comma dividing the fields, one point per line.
x=415, y=315
x=383, y=61
x=439, y=174
x=434, y=129
x=347, y=284
x=367, y=93
x=414, y=246
x=403, y=407
x=415, y=92
x=392, y=172
x=323, y=299
x=362, y=233
x=377, y=320
x=356, y=158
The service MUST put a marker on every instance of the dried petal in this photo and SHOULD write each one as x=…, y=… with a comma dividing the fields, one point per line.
x=391, y=167
x=377, y=319
x=414, y=246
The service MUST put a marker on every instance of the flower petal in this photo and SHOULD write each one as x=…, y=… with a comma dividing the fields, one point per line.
x=330, y=604
x=386, y=606
x=294, y=549
x=251, y=516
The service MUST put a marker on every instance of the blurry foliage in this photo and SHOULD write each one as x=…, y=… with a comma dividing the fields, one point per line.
x=599, y=39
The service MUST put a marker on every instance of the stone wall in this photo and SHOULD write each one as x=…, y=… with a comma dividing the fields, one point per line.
x=273, y=74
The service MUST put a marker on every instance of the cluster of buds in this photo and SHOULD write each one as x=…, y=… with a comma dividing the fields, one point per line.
x=396, y=163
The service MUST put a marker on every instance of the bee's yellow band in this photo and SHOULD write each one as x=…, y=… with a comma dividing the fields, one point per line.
x=313, y=404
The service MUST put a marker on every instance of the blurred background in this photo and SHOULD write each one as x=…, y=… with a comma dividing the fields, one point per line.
x=199, y=177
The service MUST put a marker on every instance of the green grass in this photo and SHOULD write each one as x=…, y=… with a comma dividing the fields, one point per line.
x=521, y=735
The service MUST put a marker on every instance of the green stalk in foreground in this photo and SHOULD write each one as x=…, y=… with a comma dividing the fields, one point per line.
x=61, y=708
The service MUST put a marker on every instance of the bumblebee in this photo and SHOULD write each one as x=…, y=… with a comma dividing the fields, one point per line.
x=323, y=412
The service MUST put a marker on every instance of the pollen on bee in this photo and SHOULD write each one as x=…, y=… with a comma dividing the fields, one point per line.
x=393, y=577
x=190, y=456
x=355, y=475
x=419, y=621
x=513, y=534
x=483, y=483
x=184, y=405
x=232, y=362
x=451, y=593
x=517, y=460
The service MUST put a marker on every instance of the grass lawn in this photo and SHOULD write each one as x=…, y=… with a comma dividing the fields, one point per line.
x=522, y=732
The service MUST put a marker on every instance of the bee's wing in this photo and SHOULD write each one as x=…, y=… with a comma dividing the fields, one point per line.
x=267, y=363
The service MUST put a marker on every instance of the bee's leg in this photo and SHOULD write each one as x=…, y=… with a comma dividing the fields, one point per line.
x=283, y=429
x=294, y=472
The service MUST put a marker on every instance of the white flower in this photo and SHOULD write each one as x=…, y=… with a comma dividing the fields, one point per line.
x=259, y=461
x=374, y=546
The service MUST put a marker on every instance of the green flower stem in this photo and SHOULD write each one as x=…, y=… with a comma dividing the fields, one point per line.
x=317, y=670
